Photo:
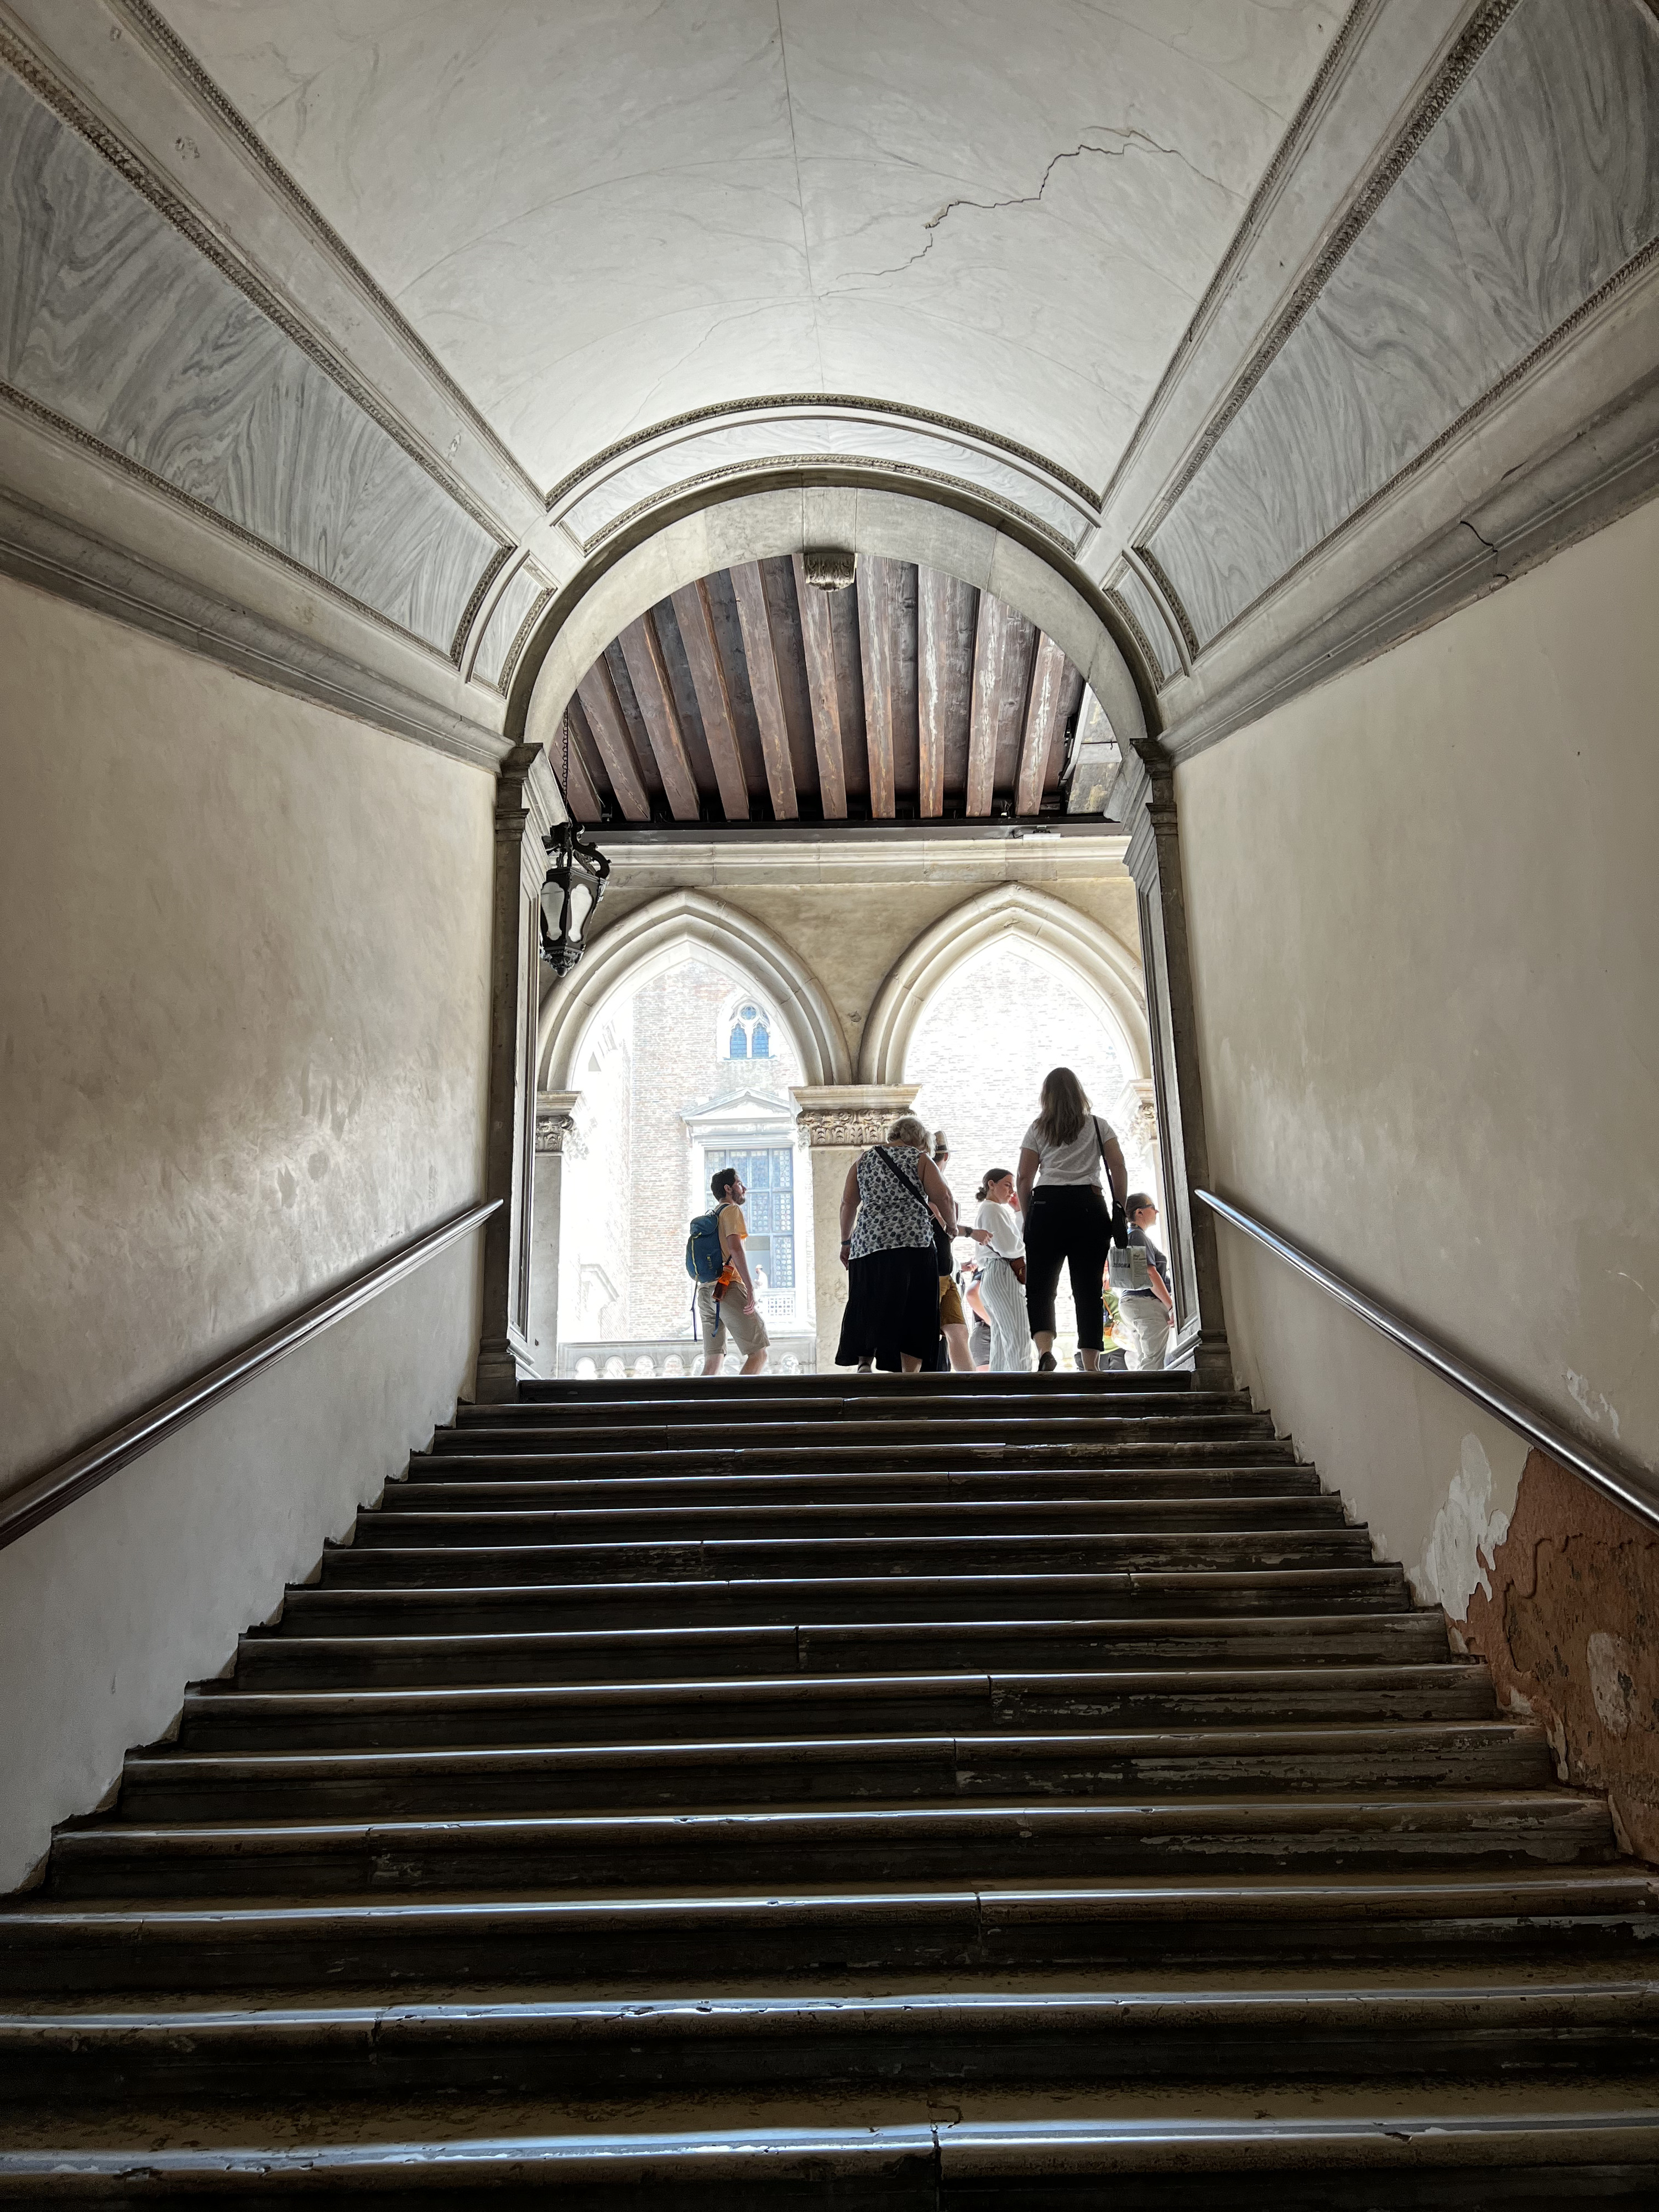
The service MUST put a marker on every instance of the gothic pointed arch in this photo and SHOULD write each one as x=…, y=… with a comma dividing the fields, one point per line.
x=1041, y=923
x=658, y=933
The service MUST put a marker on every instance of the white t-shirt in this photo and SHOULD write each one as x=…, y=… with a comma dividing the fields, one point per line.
x=1004, y=1225
x=1079, y=1162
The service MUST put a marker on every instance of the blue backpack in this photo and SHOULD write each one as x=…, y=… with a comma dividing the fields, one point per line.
x=703, y=1257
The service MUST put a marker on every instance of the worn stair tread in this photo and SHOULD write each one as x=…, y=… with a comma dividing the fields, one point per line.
x=435, y=1510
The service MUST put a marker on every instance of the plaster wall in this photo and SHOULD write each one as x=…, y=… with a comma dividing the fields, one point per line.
x=1427, y=965
x=244, y=1016
x=109, y=1608
x=244, y=1012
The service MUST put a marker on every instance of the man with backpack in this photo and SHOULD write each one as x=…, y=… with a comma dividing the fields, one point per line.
x=725, y=1293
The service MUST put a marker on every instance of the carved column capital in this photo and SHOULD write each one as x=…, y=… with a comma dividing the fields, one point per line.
x=556, y=1122
x=851, y=1115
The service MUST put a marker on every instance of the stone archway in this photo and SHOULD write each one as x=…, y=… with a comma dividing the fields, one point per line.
x=1047, y=926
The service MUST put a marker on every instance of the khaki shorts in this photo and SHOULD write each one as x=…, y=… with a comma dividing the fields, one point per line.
x=950, y=1302
x=727, y=1324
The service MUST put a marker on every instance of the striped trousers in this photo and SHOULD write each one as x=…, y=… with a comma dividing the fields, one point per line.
x=1011, y=1332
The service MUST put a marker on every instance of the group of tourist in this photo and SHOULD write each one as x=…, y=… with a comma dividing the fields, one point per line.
x=899, y=1226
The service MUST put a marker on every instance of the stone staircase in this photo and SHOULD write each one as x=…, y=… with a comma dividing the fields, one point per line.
x=842, y=1792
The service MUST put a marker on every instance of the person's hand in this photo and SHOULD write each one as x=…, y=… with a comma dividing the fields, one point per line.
x=979, y=1236
x=749, y=1305
x=846, y=1249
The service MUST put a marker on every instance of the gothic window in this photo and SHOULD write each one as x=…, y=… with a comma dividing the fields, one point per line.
x=750, y=1037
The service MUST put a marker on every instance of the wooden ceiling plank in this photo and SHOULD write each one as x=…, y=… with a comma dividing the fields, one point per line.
x=817, y=635
x=605, y=719
x=934, y=679
x=642, y=651
x=874, y=588
x=1042, y=712
x=750, y=591
x=696, y=622
x=580, y=792
x=989, y=641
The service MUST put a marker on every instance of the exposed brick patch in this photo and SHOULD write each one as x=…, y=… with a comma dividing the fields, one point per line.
x=1572, y=1627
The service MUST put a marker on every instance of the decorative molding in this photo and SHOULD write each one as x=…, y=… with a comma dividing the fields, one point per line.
x=163, y=41
x=827, y=1126
x=469, y=612
x=136, y=172
x=1171, y=599
x=1470, y=418
x=1159, y=675
x=111, y=457
x=823, y=402
x=1337, y=54
x=522, y=637
x=1471, y=43
x=829, y=465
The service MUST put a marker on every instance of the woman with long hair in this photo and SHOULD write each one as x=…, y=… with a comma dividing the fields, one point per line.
x=1068, y=1220
x=1000, y=1286
x=892, y=1195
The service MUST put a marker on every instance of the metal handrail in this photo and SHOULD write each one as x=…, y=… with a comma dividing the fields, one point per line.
x=1634, y=1487
x=48, y=1493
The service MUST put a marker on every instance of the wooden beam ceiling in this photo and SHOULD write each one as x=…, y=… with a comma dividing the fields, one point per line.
x=752, y=695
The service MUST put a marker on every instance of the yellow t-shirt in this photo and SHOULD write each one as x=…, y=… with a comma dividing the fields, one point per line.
x=733, y=1230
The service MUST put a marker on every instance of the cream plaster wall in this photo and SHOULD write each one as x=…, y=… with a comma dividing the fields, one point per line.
x=243, y=1017
x=109, y=1609
x=244, y=1010
x=1426, y=941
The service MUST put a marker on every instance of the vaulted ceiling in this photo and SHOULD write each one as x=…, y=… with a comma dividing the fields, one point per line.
x=753, y=694
x=602, y=213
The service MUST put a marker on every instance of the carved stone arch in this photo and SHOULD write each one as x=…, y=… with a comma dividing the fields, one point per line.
x=657, y=934
x=1044, y=925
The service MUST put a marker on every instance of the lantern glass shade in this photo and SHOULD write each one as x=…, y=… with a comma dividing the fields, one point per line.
x=571, y=891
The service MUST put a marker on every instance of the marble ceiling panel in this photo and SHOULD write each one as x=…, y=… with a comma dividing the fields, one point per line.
x=1534, y=188
x=1151, y=623
x=495, y=656
x=113, y=323
x=603, y=213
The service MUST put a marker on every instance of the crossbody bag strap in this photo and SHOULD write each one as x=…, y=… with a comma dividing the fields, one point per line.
x=899, y=1176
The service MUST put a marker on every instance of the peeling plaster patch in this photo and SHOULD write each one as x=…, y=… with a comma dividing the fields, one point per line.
x=1591, y=1403
x=1466, y=1535
x=1612, y=1681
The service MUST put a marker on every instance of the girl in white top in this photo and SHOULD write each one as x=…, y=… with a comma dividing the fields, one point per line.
x=1000, y=1287
x=1068, y=1220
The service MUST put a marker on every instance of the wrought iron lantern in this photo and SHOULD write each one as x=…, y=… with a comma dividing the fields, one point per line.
x=575, y=878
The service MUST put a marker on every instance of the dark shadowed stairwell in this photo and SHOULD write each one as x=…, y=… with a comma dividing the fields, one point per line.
x=842, y=1792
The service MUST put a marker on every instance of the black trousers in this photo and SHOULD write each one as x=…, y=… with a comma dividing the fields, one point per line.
x=1069, y=1223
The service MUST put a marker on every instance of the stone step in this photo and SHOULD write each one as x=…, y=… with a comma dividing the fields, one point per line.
x=484, y=1514
x=337, y=1606
x=1151, y=1924
x=446, y=1556
x=618, y=2048
x=299, y=1656
x=1178, y=1449
x=1437, y=2157
x=894, y=1433
x=426, y=1781
x=954, y=1843
x=451, y=1477
x=846, y=1386
x=221, y=1717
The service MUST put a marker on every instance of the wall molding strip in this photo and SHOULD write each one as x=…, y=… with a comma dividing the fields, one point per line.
x=1634, y=1487
x=49, y=1493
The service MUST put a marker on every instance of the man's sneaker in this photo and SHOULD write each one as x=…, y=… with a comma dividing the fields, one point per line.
x=1046, y=1363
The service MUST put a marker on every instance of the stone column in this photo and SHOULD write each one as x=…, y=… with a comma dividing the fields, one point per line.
x=1154, y=861
x=555, y=1137
x=839, y=1119
x=527, y=804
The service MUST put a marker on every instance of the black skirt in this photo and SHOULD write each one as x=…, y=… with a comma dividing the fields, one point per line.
x=892, y=1308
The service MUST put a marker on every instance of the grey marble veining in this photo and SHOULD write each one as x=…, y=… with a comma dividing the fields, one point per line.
x=118, y=324
x=506, y=619
x=1537, y=185
x=1154, y=627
